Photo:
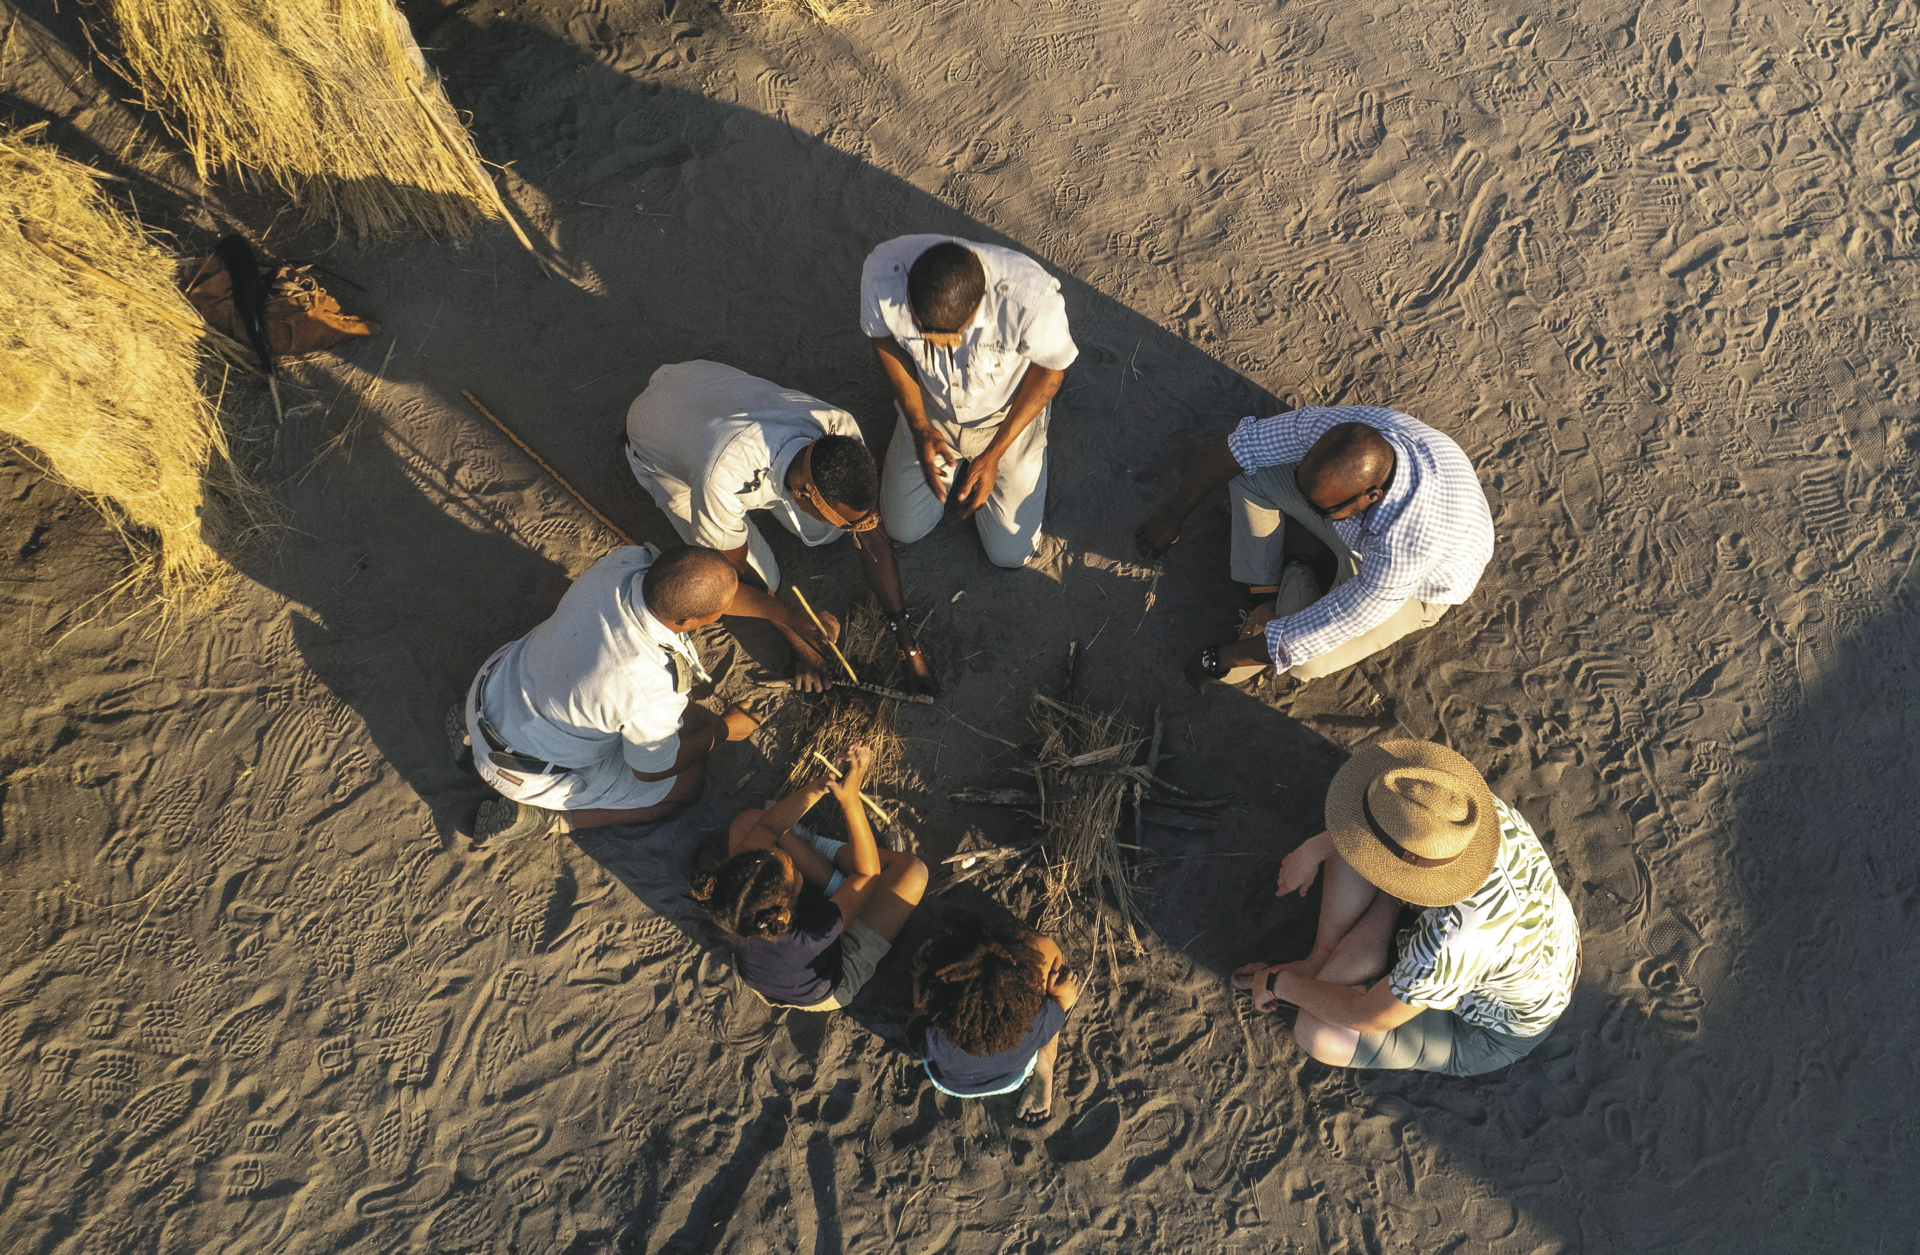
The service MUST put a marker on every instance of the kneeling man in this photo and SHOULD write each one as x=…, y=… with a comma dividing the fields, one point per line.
x=709, y=443
x=973, y=340
x=1352, y=527
x=1489, y=965
x=584, y=721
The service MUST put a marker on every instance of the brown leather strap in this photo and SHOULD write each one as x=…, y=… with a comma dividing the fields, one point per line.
x=1399, y=851
x=807, y=488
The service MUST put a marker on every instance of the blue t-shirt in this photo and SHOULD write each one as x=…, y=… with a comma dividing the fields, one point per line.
x=965, y=1074
x=801, y=966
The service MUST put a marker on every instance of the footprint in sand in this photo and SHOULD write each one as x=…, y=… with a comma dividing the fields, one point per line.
x=1086, y=1135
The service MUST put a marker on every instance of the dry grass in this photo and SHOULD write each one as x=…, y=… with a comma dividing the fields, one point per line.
x=1084, y=781
x=827, y=723
x=105, y=389
x=328, y=99
x=827, y=12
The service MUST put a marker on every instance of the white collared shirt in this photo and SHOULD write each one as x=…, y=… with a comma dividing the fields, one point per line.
x=1022, y=319
x=597, y=675
x=730, y=438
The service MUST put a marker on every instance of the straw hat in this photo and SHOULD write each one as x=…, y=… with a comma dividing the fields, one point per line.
x=1416, y=820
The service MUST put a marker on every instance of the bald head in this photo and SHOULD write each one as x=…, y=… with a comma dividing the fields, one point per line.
x=689, y=587
x=1347, y=470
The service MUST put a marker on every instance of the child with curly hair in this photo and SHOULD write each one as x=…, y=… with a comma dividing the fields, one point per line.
x=810, y=918
x=995, y=997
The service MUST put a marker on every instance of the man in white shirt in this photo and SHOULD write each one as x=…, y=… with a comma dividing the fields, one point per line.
x=1358, y=525
x=973, y=339
x=584, y=721
x=710, y=443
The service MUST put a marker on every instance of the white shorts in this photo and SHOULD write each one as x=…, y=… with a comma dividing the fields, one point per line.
x=608, y=784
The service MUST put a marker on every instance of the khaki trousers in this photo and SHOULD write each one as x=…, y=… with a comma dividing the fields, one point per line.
x=1009, y=523
x=1261, y=504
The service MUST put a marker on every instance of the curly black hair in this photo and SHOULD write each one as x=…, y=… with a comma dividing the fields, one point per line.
x=981, y=983
x=749, y=894
x=844, y=472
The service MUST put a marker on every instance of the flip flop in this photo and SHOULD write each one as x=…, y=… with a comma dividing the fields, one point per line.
x=1242, y=978
x=503, y=819
x=459, y=745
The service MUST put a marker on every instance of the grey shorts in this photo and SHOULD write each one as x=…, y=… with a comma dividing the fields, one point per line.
x=1440, y=1041
x=861, y=950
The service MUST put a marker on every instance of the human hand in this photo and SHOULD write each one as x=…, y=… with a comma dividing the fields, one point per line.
x=853, y=766
x=809, y=643
x=1156, y=534
x=977, y=485
x=1063, y=985
x=1298, y=869
x=936, y=460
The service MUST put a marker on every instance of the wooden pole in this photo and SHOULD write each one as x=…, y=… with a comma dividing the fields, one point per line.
x=802, y=597
x=558, y=478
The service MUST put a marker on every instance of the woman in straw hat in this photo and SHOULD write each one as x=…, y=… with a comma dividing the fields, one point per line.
x=1488, y=966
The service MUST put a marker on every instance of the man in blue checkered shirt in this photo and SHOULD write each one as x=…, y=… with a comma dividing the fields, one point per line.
x=1352, y=527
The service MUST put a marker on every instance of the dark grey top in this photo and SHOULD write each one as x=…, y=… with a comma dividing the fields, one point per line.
x=800, y=966
x=969, y=1075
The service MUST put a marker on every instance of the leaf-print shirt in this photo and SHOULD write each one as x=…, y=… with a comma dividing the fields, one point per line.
x=1505, y=958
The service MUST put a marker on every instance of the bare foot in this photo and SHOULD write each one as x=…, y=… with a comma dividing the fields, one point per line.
x=741, y=722
x=1036, y=1101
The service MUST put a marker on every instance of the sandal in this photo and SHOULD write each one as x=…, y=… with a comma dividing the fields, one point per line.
x=503, y=819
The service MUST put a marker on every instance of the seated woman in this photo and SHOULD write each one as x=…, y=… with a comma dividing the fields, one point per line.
x=995, y=997
x=810, y=918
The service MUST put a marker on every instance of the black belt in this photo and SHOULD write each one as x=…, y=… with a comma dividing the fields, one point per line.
x=499, y=753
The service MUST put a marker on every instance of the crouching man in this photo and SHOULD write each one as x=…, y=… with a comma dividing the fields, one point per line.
x=1488, y=966
x=710, y=443
x=584, y=722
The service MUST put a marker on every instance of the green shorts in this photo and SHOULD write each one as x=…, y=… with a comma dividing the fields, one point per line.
x=861, y=950
x=1440, y=1041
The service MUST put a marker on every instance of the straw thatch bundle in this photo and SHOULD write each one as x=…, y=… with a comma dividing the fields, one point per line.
x=1084, y=781
x=329, y=99
x=828, y=723
x=104, y=387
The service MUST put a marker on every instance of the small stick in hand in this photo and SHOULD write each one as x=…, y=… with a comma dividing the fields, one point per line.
x=802, y=597
x=871, y=804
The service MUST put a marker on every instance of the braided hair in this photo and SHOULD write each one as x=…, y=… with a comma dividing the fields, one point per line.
x=749, y=895
x=981, y=983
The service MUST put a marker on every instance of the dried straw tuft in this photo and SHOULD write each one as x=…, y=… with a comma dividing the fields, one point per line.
x=329, y=99
x=1082, y=772
x=106, y=389
x=826, y=12
x=827, y=723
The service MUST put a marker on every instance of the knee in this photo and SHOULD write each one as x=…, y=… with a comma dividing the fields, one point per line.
x=1317, y=1040
x=1009, y=552
x=902, y=535
x=909, y=877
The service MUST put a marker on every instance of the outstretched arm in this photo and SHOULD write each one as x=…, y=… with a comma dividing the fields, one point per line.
x=1364, y=1009
x=806, y=639
x=935, y=454
x=1212, y=470
x=881, y=568
x=1030, y=397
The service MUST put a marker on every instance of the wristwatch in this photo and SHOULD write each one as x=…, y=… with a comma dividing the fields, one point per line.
x=1210, y=662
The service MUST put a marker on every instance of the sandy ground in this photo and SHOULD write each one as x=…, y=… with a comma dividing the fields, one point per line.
x=1646, y=262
